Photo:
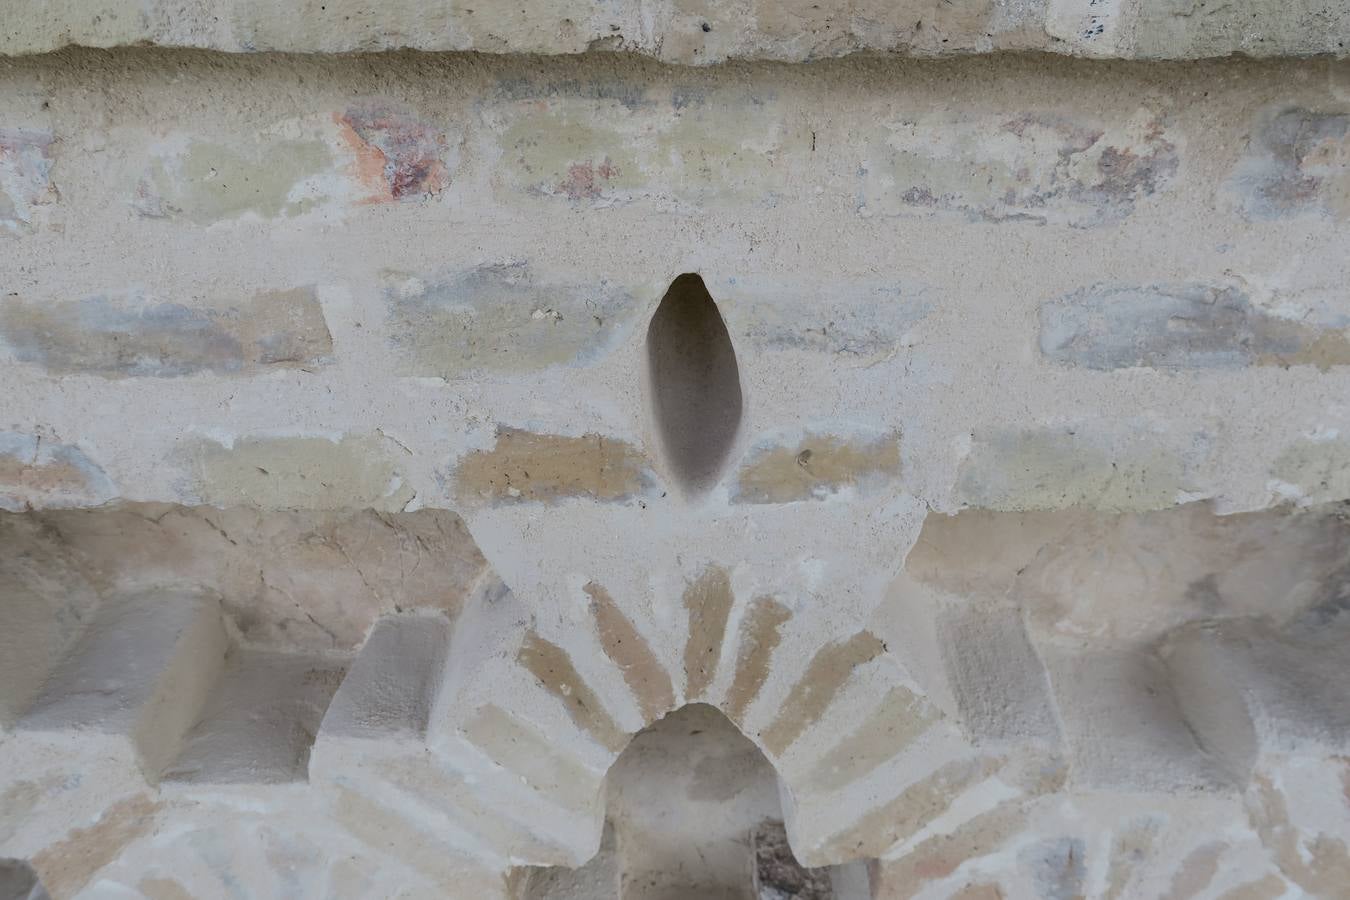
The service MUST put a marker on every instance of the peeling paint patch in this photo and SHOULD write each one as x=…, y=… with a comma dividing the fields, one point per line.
x=208, y=182
x=1033, y=167
x=826, y=674
x=500, y=318
x=760, y=635
x=35, y=473
x=1184, y=326
x=688, y=151
x=553, y=669
x=397, y=156
x=586, y=180
x=136, y=336
x=25, y=177
x=815, y=468
x=524, y=467
x=299, y=473
x=520, y=747
x=1061, y=468
x=708, y=600
x=550, y=151
x=67, y=865
x=1298, y=161
x=624, y=645
x=888, y=730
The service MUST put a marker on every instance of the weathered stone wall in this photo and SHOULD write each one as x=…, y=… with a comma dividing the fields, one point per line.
x=387, y=439
x=1133, y=268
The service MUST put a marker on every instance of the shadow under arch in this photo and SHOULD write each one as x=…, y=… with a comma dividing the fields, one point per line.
x=693, y=809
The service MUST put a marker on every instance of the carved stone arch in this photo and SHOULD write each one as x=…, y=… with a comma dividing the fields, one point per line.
x=693, y=807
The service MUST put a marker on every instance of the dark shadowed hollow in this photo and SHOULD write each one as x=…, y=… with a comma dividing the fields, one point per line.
x=695, y=383
x=692, y=813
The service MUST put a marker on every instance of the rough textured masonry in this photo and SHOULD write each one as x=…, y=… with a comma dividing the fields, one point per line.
x=874, y=464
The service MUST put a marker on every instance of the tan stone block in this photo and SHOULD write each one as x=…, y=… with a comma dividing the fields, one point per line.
x=354, y=471
x=209, y=182
x=1060, y=468
x=524, y=467
x=556, y=674
x=821, y=682
x=1018, y=167
x=761, y=633
x=708, y=600
x=628, y=649
x=815, y=468
x=500, y=318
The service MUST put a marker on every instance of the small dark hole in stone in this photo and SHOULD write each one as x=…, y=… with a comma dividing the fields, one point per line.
x=695, y=383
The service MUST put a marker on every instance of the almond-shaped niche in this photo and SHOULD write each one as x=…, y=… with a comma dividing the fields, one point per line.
x=695, y=384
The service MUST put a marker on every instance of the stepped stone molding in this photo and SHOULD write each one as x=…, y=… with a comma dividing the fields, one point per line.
x=693, y=32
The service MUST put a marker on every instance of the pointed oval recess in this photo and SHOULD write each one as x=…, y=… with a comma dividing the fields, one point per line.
x=695, y=384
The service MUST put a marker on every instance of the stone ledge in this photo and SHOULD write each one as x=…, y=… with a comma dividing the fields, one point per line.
x=694, y=32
